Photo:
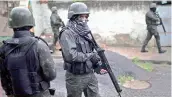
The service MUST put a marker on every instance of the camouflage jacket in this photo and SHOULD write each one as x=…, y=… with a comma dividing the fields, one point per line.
x=152, y=19
x=55, y=21
x=45, y=59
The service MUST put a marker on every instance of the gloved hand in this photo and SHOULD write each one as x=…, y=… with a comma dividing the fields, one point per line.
x=160, y=23
x=95, y=58
x=97, y=65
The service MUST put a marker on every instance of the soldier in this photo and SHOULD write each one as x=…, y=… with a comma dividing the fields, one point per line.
x=80, y=60
x=152, y=23
x=56, y=23
x=26, y=67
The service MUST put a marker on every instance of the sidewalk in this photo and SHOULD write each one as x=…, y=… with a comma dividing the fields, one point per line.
x=133, y=52
x=151, y=56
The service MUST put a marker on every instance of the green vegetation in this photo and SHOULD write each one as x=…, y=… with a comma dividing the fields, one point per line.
x=145, y=65
x=122, y=79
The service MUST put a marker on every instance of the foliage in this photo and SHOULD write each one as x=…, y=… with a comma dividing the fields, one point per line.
x=145, y=65
x=124, y=78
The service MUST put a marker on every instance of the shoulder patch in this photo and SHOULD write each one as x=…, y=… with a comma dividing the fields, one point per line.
x=11, y=41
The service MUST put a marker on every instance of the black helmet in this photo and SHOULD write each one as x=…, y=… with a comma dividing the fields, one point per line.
x=77, y=8
x=152, y=5
x=54, y=8
x=20, y=17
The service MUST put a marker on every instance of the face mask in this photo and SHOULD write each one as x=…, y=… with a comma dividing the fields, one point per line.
x=83, y=19
x=153, y=9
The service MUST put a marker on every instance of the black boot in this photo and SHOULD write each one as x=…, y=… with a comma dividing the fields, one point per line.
x=162, y=51
x=158, y=44
x=159, y=48
x=145, y=44
x=143, y=49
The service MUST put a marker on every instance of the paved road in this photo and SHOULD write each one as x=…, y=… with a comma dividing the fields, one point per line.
x=159, y=78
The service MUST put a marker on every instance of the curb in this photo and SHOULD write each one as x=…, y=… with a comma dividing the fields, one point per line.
x=142, y=60
x=155, y=61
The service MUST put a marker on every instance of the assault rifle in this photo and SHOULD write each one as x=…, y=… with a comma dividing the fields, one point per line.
x=161, y=23
x=106, y=65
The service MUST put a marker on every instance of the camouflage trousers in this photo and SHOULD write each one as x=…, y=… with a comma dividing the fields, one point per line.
x=152, y=32
x=76, y=84
x=41, y=94
x=56, y=35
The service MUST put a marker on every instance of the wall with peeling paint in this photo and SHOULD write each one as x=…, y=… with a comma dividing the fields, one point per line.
x=115, y=23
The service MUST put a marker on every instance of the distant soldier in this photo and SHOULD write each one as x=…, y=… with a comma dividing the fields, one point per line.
x=26, y=65
x=152, y=22
x=56, y=23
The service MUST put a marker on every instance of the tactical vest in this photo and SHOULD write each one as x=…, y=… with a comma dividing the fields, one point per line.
x=83, y=46
x=22, y=63
x=53, y=25
x=149, y=21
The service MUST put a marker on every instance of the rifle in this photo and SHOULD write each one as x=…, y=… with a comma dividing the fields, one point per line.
x=63, y=25
x=161, y=23
x=106, y=65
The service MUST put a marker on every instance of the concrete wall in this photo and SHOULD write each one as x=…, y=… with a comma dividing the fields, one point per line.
x=165, y=14
x=5, y=8
x=119, y=23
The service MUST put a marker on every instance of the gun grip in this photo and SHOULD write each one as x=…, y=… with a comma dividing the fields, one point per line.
x=52, y=91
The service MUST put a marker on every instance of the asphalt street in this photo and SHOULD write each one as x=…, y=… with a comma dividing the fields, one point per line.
x=159, y=79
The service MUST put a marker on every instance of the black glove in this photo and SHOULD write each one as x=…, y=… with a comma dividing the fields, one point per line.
x=95, y=59
x=95, y=66
x=160, y=22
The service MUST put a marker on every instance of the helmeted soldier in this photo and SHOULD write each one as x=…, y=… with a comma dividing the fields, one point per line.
x=56, y=23
x=27, y=67
x=152, y=22
x=80, y=60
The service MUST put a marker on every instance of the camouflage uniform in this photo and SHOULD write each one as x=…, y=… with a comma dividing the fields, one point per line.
x=56, y=23
x=76, y=84
x=46, y=64
x=78, y=55
x=152, y=23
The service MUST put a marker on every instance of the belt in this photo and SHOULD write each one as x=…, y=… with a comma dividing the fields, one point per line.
x=91, y=71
